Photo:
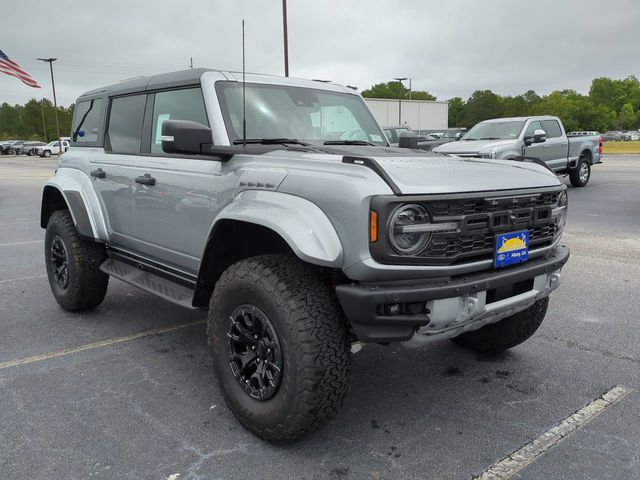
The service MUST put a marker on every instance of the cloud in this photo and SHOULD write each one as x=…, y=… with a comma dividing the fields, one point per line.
x=448, y=48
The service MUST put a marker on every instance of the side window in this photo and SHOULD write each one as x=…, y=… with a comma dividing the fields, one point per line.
x=185, y=104
x=533, y=126
x=388, y=134
x=87, y=121
x=552, y=128
x=125, y=124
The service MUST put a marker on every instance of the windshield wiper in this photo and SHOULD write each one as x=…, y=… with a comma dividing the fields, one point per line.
x=490, y=138
x=348, y=142
x=270, y=141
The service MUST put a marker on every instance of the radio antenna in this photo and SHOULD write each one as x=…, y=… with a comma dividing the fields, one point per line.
x=244, y=118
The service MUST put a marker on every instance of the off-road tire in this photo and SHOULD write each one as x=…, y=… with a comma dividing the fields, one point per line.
x=87, y=285
x=577, y=175
x=507, y=333
x=309, y=322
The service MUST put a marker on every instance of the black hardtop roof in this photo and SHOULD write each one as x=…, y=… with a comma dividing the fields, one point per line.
x=180, y=78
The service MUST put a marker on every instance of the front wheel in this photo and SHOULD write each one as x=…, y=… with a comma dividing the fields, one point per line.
x=580, y=175
x=506, y=333
x=73, y=265
x=280, y=346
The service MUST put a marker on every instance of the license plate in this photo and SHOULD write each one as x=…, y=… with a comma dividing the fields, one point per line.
x=511, y=248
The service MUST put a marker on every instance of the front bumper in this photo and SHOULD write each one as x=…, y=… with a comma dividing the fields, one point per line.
x=452, y=305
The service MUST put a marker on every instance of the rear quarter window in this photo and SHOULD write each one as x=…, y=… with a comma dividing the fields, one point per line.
x=87, y=122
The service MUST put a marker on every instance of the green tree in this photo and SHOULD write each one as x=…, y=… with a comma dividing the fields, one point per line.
x=482, y=105
x=627, y=117
x=394, y=90
x=456, y=112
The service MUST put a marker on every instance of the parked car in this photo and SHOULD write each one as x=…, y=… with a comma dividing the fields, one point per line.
x=632, y=135
x=28, y=148
x=425, y=142
x=613, y=136
x=12, y=147
x=52, y=148
x=541, y=139
x=298, y=243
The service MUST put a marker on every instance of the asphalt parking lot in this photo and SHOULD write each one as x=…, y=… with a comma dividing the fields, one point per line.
x=127, y=391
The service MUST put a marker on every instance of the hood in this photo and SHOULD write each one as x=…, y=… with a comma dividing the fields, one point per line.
x=452, y=174
x=464, y=146
x=416, y=172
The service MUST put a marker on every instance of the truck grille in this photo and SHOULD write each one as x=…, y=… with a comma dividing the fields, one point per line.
x=478, y=220
x=475, y=239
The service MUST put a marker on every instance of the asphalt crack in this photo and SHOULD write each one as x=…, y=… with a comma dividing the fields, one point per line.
x=590, y=348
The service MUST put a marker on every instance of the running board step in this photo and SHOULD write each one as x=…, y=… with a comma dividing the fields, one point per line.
x=149, y=282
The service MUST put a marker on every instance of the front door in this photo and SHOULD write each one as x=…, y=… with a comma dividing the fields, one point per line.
x=174, y=211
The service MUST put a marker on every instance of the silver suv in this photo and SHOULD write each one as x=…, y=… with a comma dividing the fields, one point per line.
x=278, y=205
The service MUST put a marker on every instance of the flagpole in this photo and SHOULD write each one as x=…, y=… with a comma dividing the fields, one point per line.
x=55, y=101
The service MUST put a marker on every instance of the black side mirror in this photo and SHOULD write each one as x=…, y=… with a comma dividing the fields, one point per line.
x=408, y=140
x=184, y=136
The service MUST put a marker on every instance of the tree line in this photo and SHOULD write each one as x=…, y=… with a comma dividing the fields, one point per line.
x=34, y=120
x=611, y=104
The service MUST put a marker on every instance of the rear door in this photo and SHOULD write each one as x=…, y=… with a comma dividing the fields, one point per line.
x=113, y=168
x=557, y=145
x=173, y=212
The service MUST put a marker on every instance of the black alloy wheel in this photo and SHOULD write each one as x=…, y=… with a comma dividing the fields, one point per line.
x=60, y=262
x=255, y=355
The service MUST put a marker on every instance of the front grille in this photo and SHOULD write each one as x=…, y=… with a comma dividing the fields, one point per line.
x=479, y=219
x=478, y=225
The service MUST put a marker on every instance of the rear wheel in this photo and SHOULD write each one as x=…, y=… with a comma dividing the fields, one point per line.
x=280, y=347
x=506, y=333
x=580, y=175
x=73, y=265
x=46, y=153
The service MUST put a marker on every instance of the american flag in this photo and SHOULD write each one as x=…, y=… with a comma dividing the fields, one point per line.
x=10, y=67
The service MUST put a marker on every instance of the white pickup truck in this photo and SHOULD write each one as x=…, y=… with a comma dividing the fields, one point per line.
x=52, y=148
x=542, y=138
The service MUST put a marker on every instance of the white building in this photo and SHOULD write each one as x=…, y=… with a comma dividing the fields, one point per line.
x=417, y=114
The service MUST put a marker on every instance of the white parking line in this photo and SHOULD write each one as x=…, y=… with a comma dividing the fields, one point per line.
x=20, y=243
x=514, y=463
x=91, y=346
x=22, y=278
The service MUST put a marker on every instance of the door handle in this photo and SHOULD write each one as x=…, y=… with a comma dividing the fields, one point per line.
x=98, y=173
x=146, y=179
x=546, y=146
x=564, y=144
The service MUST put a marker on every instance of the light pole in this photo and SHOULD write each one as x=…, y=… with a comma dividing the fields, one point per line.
x=55, y=101
x=286, y=38
x=400, y=79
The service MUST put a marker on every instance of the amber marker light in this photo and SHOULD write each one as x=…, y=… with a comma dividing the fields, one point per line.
x=373, y=226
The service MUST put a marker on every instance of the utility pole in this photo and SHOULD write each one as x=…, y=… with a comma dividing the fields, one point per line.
x=191, y=62
x=286, y=38
x=409, y=89
x=44, y=125
x=55, y=101
x=400, y=79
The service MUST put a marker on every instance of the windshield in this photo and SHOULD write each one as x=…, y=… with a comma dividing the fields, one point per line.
x=305, y=114
x=495, y=131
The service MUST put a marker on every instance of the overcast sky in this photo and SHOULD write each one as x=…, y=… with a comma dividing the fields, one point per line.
x=450, y=48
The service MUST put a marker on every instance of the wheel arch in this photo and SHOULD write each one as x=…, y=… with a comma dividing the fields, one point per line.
x=259, y=223
x=54, y=199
